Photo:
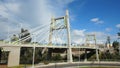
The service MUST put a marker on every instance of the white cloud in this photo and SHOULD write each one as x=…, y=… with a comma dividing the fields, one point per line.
x=57, y=40
x=32, y=12
x=98, y=34
x=79, y=32
x=101, y=37
x=97, y=21
x=108, y=29
x=3, y=11
x=38, y=12
x=7, y=22
x=2, y=8
x=13, y=7
x=118, y=25
x=79, y=41
x=78, y=36
x=62, y=3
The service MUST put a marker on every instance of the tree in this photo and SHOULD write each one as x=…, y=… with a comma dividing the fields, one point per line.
x=57, y=57
x=115, y=45
x=14, y=38
x=26, y=53
x=118, y=33
x=26, y=35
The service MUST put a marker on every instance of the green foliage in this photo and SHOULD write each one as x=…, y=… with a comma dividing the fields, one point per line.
x=14, y=38
x=118, y=33
x=26, y=35
x=115, y=45
x=44, y=56
x=106, y=56
x=56, y=57
x=3, y=55
x=26, y=55
x=99, y=67
x=38, y=55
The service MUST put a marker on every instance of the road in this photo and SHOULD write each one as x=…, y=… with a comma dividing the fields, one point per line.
x=74, y=64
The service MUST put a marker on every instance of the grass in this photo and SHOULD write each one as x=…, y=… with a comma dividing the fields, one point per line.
x=100, y=67
x=21, y=66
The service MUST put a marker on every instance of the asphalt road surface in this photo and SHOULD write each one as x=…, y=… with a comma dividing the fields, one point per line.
x=73, y=65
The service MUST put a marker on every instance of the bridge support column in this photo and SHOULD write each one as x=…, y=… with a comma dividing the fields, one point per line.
x=70, y=59
x=14, y=56
x=69, y=56
x=97, y=55
x=85, y=55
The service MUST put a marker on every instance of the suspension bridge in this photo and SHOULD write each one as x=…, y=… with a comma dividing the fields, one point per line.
x=55, y=35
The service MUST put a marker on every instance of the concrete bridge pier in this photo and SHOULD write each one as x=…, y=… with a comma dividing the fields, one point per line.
x=97, y=55
x=14, y=56
x=85, y=55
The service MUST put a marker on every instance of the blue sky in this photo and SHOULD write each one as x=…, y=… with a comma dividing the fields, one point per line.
x=106, y=11
x=100, y=17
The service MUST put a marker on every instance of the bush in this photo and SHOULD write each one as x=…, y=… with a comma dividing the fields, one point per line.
x=57, y=57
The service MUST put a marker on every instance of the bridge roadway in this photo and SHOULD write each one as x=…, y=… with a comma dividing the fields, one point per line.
x=43, y=46
x=14, y=50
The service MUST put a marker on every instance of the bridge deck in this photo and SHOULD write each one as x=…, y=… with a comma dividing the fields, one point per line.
x=43, y=46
